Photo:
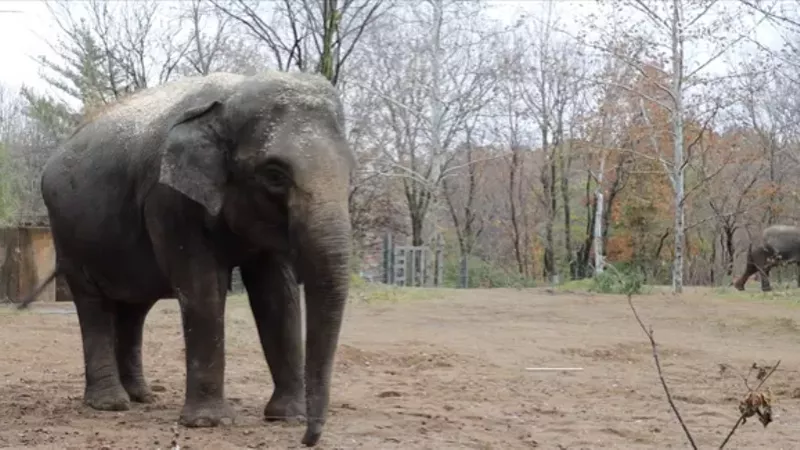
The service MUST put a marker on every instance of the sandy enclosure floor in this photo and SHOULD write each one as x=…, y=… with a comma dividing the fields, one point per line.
x=438, y=373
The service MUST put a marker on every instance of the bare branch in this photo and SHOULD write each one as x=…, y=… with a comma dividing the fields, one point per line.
x=649, y=333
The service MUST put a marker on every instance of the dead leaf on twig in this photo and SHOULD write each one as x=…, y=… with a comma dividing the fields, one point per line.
x=757, y=403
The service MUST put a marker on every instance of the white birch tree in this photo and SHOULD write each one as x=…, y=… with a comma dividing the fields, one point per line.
x=674, y=31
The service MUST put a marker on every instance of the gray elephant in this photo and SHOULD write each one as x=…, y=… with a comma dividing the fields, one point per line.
x=779, y=244
x=164, y=193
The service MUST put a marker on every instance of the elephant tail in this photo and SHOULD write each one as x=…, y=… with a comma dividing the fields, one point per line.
x=27, y=300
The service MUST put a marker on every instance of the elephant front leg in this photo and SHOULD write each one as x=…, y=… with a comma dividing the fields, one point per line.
x=204, y=334
x=748, y=272
x=130, y=325
x=275, y=301
x=104, y=390
x=200, y=284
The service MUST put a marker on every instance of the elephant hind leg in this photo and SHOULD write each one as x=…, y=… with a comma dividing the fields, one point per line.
x=748, y=272
x=130, y=319
x=104, y=390
x=764, y=275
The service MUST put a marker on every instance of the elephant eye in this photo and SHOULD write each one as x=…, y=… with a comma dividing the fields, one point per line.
x=275, y=178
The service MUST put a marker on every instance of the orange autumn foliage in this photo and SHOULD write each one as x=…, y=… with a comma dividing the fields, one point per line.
x=643, y=213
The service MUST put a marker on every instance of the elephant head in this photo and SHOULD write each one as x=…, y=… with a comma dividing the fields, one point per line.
x=269, y=157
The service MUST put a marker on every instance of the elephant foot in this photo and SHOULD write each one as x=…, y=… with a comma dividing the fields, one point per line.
x=738, y=287
x=207, y=414
x=109, y=399
x=290, y=408
x=139, y=392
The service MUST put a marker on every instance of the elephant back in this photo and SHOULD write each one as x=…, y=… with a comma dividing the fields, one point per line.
x=156, y=107
x=783, y=240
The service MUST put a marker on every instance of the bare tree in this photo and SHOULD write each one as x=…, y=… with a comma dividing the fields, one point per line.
x=432, y=77
x=12, y=123
x=672, y=29
x=108, y=50
x=508, y=129
x=216, y=43
x=609, y=136
x=543, y=79
x=206, y=49
x=301, y=34
x=28, y=134
x=463, y=193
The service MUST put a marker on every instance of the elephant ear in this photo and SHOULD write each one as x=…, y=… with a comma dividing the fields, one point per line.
x=193, y=157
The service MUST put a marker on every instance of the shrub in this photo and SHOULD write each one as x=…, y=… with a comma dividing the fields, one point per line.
x=483, y=274
x=622, y=279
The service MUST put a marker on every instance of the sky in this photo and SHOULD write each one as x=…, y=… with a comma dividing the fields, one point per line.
x=25, y=28
x=23, y=35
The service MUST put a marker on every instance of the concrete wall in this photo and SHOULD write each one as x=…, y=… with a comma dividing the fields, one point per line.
x=27, y=257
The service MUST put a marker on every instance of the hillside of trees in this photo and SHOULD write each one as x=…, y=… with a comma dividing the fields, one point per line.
x=652, y=135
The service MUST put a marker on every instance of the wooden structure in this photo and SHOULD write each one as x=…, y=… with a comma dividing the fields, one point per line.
x=408, y=265
x=27, y=257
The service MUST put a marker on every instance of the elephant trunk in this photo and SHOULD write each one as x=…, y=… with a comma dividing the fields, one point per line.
x=324, y=239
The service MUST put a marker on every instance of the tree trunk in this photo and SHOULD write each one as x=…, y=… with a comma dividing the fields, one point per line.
x=729, y=249
x=598, y=220
x=512, y=194
x=677, y=133
x=564, y=162
x=549, y=271
x=417, y=220
x=712, y=259
x=330, y=28
x=586, y=245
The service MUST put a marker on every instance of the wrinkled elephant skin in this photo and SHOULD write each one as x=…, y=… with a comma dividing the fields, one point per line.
x=779, y=244
x=162, y=194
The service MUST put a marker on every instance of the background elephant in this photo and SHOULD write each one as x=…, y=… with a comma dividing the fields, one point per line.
x=164, y=193
x=779, y=244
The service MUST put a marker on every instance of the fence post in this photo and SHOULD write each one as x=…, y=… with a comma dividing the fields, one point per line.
x=464, y=273
x=423, y=266
x=399, y=273
x=798, y=275
x=388, y=253
x=414, y=252
x=439, y=260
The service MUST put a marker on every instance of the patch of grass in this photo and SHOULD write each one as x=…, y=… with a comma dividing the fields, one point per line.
x=482, y=274
x=362, y=291
x=376, y=293
x=237, y=298
x=7, y=308
x=575, y=285
x=780, y=296
x=611, y=281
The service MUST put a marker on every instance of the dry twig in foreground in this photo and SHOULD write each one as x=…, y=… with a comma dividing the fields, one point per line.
x=755, y=402
x=649, y=333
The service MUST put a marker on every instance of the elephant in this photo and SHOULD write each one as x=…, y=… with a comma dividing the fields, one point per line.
x=779, y=244
x=164, y=193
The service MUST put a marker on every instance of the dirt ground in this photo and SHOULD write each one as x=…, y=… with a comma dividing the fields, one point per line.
x=439, y=371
